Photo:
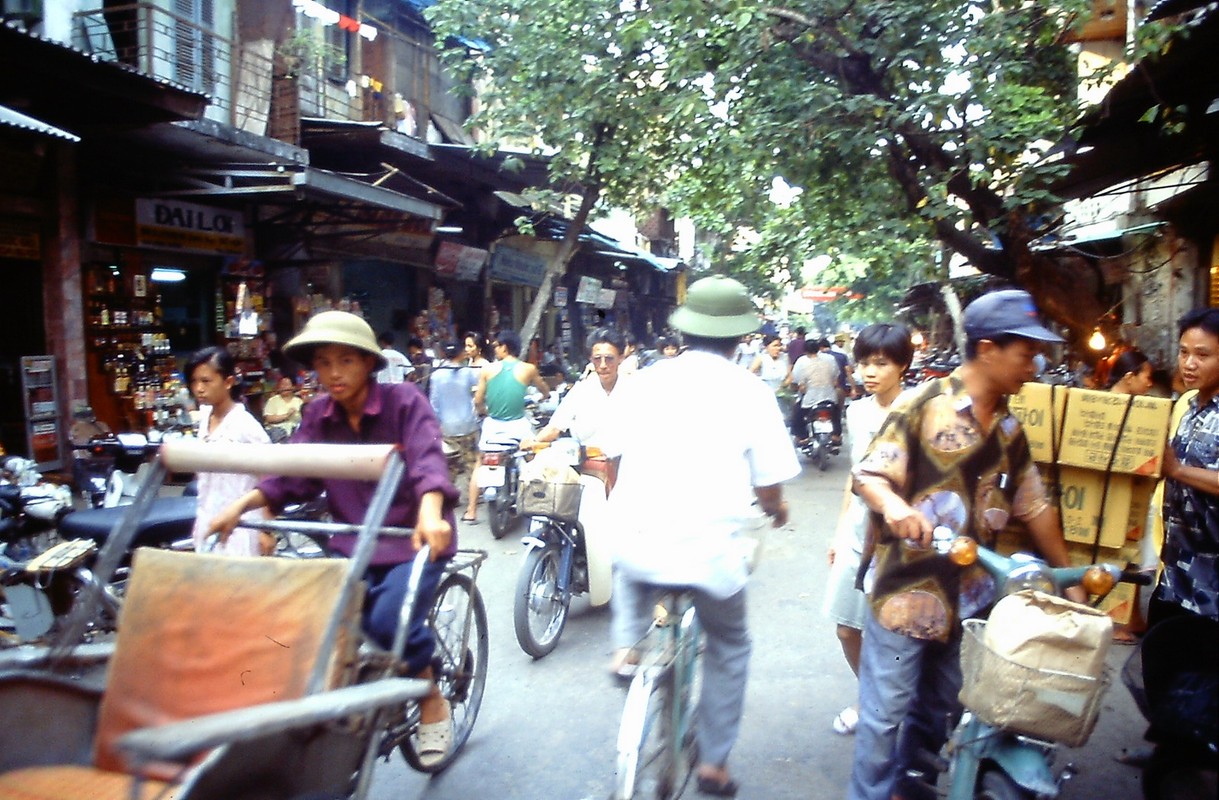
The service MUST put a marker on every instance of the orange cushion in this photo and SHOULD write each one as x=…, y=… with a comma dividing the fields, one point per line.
x=200, y=634
x=74, y=782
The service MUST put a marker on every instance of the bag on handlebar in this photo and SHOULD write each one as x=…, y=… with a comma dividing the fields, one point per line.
x=1037, y=666
x=549, y=490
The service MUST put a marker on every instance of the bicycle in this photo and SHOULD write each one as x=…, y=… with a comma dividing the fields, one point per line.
x=458, y=619
x=657, y=751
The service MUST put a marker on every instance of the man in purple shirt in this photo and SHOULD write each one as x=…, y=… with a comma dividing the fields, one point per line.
x=358, y=410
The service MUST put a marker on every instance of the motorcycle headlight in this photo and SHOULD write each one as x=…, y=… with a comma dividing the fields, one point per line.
x=1031, y=575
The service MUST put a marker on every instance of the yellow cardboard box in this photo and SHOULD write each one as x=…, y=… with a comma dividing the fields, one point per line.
x=1082, y=492
x=1093, y=428
x=1039, y=407
x=1141, y=490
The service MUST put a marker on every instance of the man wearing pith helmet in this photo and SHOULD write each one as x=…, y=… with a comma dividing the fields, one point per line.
x=357, y=409
x=686, y=484
x=952, y=455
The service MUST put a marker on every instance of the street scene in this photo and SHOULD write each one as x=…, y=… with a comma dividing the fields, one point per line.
x=637, y=400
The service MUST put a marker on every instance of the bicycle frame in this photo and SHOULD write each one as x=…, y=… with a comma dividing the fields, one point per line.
x=668, y=669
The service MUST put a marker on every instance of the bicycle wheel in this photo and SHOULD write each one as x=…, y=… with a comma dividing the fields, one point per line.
x=461, y=672
x=645, y=754
x=539, y=612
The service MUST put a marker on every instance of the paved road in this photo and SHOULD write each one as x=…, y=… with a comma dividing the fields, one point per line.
x=547, y=727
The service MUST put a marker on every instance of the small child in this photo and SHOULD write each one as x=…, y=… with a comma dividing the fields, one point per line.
x=212, y=374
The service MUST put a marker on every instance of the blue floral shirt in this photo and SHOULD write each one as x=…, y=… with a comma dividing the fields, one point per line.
x=1191, y=517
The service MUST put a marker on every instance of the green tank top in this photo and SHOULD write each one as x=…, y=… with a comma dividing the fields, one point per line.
x=505, y=394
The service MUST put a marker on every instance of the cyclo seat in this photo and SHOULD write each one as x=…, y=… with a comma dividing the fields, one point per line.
x=168, y=519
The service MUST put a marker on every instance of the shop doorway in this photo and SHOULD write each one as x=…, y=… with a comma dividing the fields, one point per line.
x=22, y=333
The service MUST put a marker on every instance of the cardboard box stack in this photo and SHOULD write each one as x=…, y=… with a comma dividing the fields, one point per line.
x=1097, y=451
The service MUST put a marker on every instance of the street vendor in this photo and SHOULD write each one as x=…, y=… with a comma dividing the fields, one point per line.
x=357, y=409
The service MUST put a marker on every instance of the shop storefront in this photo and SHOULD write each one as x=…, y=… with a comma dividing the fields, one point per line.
x=163, y=278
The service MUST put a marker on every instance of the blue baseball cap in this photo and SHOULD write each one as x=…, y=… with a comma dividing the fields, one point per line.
x=1010, y=311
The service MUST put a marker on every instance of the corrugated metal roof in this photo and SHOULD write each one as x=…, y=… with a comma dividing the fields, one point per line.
x=97, y=58
x=15, y=119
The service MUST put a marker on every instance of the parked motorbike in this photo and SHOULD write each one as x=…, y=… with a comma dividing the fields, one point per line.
x=41, y=591
x=1173, y=676
x=819, y=442
x=997, y=761
x=498, y=478
x=108, y=469
x=30, y=509
x=562, y=558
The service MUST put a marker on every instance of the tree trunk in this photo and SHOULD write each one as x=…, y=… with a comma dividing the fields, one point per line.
x=558, y=265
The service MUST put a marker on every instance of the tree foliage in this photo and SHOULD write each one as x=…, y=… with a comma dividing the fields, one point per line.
x=911, y=126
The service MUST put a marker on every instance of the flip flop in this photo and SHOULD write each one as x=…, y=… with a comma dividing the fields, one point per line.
x=711, y=786
x=1134, y=756
x=469, y=520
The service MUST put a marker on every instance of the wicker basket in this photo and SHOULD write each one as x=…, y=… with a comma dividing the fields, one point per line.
x=538, y=498
x=1049, y=705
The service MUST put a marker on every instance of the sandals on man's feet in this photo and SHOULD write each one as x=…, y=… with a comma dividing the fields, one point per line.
x=846, y=721
x=434, y=740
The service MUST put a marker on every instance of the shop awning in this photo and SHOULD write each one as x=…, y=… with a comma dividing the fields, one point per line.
x=15, y=119
x=308, y=183
x=1127, y=136
x=598, y=244
x=79, y=91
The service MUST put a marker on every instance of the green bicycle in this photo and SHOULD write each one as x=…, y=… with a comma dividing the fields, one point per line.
x=657, y=751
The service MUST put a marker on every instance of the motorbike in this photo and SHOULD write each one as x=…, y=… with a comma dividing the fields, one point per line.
x=498, y=477
x=819, y=445
x=997, y=759
x=30, y=509
x=563, y=557
x=108, y=468
x=1173, y=676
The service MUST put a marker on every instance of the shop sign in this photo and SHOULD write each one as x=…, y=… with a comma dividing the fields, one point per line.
x=606, y=300
x=560, y=296
x=174, y=225
x=19, y=239
x=459, y=261
x=513, y=266
x=588, y=291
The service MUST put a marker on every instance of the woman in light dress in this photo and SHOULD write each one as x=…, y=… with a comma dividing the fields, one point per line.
x=223, y=419
x=883, y=353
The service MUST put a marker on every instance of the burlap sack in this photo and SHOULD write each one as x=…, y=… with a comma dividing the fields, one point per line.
x=1037, y=667
x=1041, y=631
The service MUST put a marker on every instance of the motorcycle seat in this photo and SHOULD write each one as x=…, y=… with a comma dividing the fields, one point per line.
x=168, y=520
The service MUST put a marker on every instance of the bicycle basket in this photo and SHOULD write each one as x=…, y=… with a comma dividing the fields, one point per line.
x=541, y=498
x=1046, y=704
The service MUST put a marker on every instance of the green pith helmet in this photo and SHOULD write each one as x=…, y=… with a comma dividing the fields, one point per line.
x=717, y=307
x=334, y=327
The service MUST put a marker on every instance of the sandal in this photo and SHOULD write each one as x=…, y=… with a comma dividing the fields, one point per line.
x=470, y=520
x=624, y=664
x=846, y=721
x=715, y=788
x=434, y=740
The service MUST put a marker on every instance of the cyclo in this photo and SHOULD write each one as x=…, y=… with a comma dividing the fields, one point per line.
x=226, y=678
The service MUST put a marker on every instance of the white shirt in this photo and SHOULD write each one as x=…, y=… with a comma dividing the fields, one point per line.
x=584, y=410
x=818, y=373
x=864, y=418
x=397, y=369
x=696, y=433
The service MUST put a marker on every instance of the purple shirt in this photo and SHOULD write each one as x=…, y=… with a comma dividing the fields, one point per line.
x=393, y=414
x=795, y=349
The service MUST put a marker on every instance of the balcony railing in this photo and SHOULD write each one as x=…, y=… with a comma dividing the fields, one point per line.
x=250, y=87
